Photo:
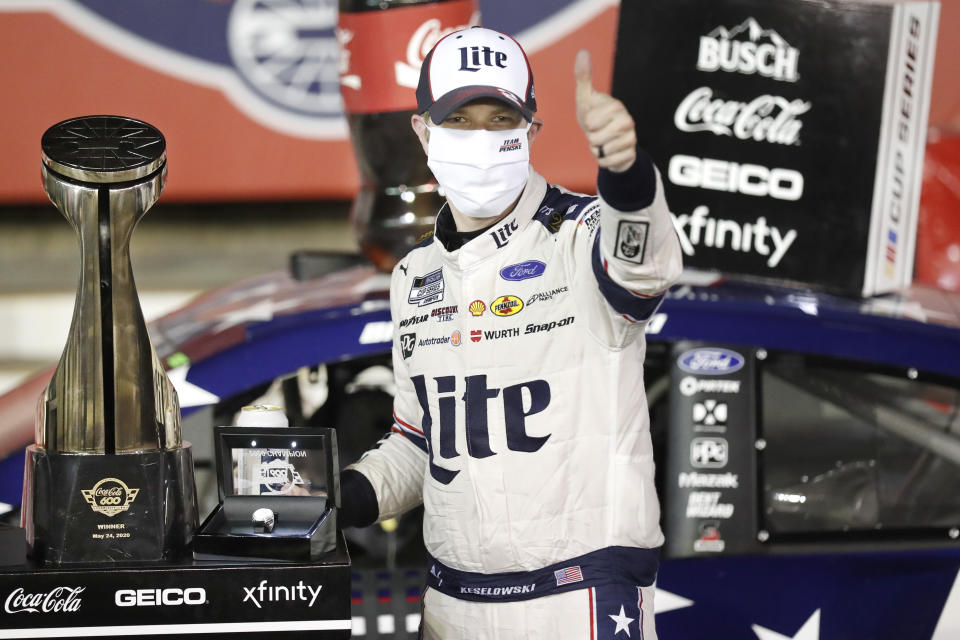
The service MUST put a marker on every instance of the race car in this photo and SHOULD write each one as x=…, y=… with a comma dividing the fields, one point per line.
x=808, y=446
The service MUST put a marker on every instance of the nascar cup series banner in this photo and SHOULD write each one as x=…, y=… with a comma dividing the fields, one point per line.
x=790, y=134
x=250, y=93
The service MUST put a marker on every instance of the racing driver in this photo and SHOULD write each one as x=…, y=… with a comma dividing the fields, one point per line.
x=520, y=419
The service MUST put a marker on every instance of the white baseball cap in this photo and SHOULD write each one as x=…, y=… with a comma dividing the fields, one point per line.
x=475, y=63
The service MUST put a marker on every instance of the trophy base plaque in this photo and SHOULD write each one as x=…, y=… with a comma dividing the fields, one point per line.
x=131, y=507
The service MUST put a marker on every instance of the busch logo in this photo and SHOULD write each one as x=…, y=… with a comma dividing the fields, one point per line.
x=708, y=453
x=520, y=401
x=763, y=52
x=57, y=600
x=766, y=118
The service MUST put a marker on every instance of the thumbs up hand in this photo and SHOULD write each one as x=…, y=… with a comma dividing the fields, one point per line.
x=605, y=121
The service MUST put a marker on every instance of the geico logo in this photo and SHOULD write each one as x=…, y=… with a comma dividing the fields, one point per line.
x=160, y=597
x=748, y=179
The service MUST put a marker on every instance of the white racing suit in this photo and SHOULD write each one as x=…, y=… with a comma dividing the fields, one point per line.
x=520, y=415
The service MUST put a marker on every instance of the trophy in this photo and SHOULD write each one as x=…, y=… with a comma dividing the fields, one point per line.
x=109, y=478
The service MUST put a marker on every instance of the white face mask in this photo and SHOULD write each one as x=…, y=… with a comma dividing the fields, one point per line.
x=482, y=172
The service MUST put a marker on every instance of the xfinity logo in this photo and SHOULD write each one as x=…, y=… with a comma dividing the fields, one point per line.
x=160, y=597
x=699, y=228
x=748, y=48
x=294, y=593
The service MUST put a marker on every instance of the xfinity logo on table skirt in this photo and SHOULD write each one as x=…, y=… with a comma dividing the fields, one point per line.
x=264, y=593
x=57, y=600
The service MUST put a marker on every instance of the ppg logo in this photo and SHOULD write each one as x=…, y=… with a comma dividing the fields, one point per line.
x=709, y=453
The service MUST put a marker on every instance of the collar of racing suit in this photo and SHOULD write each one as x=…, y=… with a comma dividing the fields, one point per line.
x=498, y=235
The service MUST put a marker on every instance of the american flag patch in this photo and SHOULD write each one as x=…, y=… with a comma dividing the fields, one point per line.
x=568, y=575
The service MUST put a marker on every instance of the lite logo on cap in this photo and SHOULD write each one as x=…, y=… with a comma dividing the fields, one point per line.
x=475, y=63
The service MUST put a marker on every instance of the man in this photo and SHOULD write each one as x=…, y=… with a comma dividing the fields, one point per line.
x=520, y=418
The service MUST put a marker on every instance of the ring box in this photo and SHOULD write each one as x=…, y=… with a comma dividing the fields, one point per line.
x=294, y=472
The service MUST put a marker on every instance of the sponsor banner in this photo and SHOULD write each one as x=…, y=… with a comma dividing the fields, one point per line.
x=711, y=452
x=742, y=123
x=381, y=51
x=182, y=599
x=265, y=75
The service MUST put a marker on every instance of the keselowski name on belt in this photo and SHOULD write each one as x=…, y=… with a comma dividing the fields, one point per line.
x=499, y=591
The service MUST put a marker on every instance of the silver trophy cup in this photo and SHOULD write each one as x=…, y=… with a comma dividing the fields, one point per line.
x=109, y=478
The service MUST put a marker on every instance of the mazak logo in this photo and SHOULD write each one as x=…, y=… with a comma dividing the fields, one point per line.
x=160, y=597
x=407, y=342
x=710, y=361
x=709, y=453
x=748, y=48
x=265, y=593
x=110, y=496
x=57, y=600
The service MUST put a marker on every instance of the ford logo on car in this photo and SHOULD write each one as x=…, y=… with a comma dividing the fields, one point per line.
x=523, y=270
x=711, y=362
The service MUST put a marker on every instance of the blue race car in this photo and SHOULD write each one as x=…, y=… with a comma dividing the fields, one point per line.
x=808, y=446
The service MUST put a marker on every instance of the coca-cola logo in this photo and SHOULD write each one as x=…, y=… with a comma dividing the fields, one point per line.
x=57, y=600
x=766, y=118
x=110, y=496
x=407, y=72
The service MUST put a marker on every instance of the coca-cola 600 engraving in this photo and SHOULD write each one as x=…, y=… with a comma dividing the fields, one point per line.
x=110, y=496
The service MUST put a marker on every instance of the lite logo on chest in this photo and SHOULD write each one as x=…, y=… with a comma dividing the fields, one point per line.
x=472, y=396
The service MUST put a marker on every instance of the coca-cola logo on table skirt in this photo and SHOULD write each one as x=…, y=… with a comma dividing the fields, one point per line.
x=57, y=600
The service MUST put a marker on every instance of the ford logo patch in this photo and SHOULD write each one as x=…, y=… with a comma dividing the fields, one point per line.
x=711, y=362
x=523, y=270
